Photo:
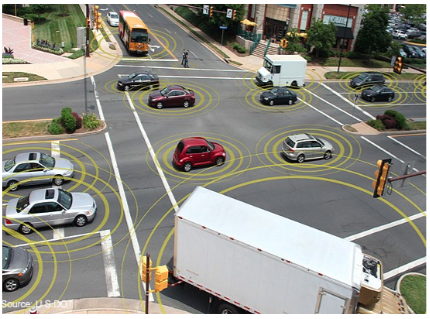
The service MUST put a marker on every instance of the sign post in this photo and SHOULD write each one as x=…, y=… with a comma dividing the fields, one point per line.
x=222, y=27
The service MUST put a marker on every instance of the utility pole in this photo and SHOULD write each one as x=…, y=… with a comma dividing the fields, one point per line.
x=87, y=40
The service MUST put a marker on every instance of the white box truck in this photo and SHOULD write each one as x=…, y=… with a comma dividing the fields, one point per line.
x=282, y=70
x=260, y=262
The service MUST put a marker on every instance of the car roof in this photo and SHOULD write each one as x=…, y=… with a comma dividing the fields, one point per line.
x=26, y=157
x=193, y=140
x=175, y=87
x=301, y=137
x=40, y=195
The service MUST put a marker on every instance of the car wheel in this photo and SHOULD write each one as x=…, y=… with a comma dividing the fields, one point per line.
x=290, y=102
x=13, y=185
x=219, y=161
x=58, y=180
x=327, y=155
x=186, y=104
x=372, y=99
x=81, y=220
x=10, y=284
x=159, y=105
x=25, y=229
x=188, y=166
x=271, y=102
x=301, y=158
x=390, y=98
x=127, y=88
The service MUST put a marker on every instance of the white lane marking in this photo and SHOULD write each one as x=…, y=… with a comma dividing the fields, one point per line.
x=109, y=264
x=96, y=94
x=55, y=239
x=193, y=53
x=126, y=209
x=326, y=115
x=181, y=68
x=384, y=227
x=332, y=105
x=154, y=158
x=405, y=268
x=405, y=146
x=383, y=150
x=348, y=101
x=58, y=233
x=196, y=77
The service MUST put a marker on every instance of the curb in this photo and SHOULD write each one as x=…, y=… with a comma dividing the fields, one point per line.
x=399, y=281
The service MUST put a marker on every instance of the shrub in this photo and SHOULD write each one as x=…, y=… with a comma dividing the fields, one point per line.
x=90, y=121
x=66, y=110
x=54, y=128
x=69, y=122
x=78, y=120
x=389, y=123
x=400, y=119
x=377, y=124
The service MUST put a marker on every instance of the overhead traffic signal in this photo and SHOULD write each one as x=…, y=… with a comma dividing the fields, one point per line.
x=381, y=177
x=144, y=270
x=211, y=11
x=95, y=12
x=234, y=14
x=398, y=65
x=284, y=43
x=99, y=21
x=161, y=278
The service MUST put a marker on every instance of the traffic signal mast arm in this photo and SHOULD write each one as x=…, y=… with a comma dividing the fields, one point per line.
x=393, y=179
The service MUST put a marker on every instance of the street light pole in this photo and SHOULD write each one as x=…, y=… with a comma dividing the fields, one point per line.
x=343, y=39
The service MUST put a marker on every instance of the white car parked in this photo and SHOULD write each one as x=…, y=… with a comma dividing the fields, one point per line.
x=113, y=19
x=401, y=35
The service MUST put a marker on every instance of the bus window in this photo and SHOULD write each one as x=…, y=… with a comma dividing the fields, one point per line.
x=139, y=36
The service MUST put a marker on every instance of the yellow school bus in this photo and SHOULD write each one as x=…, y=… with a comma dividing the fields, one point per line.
x=133, y=32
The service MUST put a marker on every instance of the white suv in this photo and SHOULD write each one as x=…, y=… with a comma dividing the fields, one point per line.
x=301, y=147
x=398, y=34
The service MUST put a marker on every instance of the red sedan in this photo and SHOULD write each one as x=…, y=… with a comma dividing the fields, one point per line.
x=173, y=95
x=197, y=151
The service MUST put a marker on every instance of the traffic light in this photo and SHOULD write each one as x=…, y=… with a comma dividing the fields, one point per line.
x=211, y=11
x=284, y=43
x=96, y=11
x=99, y=21
x=234, y=14
x=398, y=65
x=381, y=177
x=161, y=278
x=88, y=23
x=143, y=272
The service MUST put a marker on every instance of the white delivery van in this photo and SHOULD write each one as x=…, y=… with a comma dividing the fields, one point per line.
x=282, y=70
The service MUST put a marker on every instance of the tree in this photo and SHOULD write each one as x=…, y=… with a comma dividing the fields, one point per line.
x=373, y=36
x=321, y=36
x=219, y=18
x=294, y=42
x=40, y=9
x=413, y=13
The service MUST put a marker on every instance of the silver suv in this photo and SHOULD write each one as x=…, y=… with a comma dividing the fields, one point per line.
x=301, y=147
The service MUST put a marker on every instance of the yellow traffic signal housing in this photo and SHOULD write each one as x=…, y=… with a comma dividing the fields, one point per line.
x=234, y=14
x=143, y=271
x=96, y=11
x=398, y=65
x=211, y=11
x=381, y=177
x=161, y=278
x=99, y=21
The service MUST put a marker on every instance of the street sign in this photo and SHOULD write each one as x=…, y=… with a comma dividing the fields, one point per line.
x=229, y=13
x=223, y=27
x=205, y=9
x=393, y=60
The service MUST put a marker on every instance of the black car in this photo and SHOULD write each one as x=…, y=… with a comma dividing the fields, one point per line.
x=278, y=96
x=138, y=80
x=378, y=93
x=409, y=51
x=367, y=78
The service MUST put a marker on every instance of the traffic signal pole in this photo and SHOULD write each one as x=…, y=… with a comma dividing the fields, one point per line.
x=147, y=283
x=393, y=179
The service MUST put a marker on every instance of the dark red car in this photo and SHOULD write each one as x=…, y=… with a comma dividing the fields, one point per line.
x=173, y=95
x=197, y=151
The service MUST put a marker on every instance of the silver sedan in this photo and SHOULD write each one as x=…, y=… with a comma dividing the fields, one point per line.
x=35, y=168
x=49, y=207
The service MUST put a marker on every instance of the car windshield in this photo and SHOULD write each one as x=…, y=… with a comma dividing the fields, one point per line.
x=274, y=91
x=289, y=142
x=132, y=76
x=376, y=88
x=165, y=91
x=22, y=203
x=6, y=255
x=9, y=164
x=362, y=76
x=65, y=198
x=113, y=16
x=211, y=146
x=321, y=142
x=47, y=161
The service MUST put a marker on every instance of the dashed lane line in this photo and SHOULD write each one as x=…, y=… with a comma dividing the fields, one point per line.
x=109, y=264
x=407, y=147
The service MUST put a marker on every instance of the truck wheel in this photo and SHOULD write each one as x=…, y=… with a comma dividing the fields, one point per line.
x=227, y=309
x=294, y=83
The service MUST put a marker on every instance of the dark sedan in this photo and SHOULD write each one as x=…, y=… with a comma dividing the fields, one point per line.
x=378, y=93
x=173, y=95
x=278, y=96
x=138, y=80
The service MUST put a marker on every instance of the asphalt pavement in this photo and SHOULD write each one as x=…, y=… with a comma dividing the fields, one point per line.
x=57, y=69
